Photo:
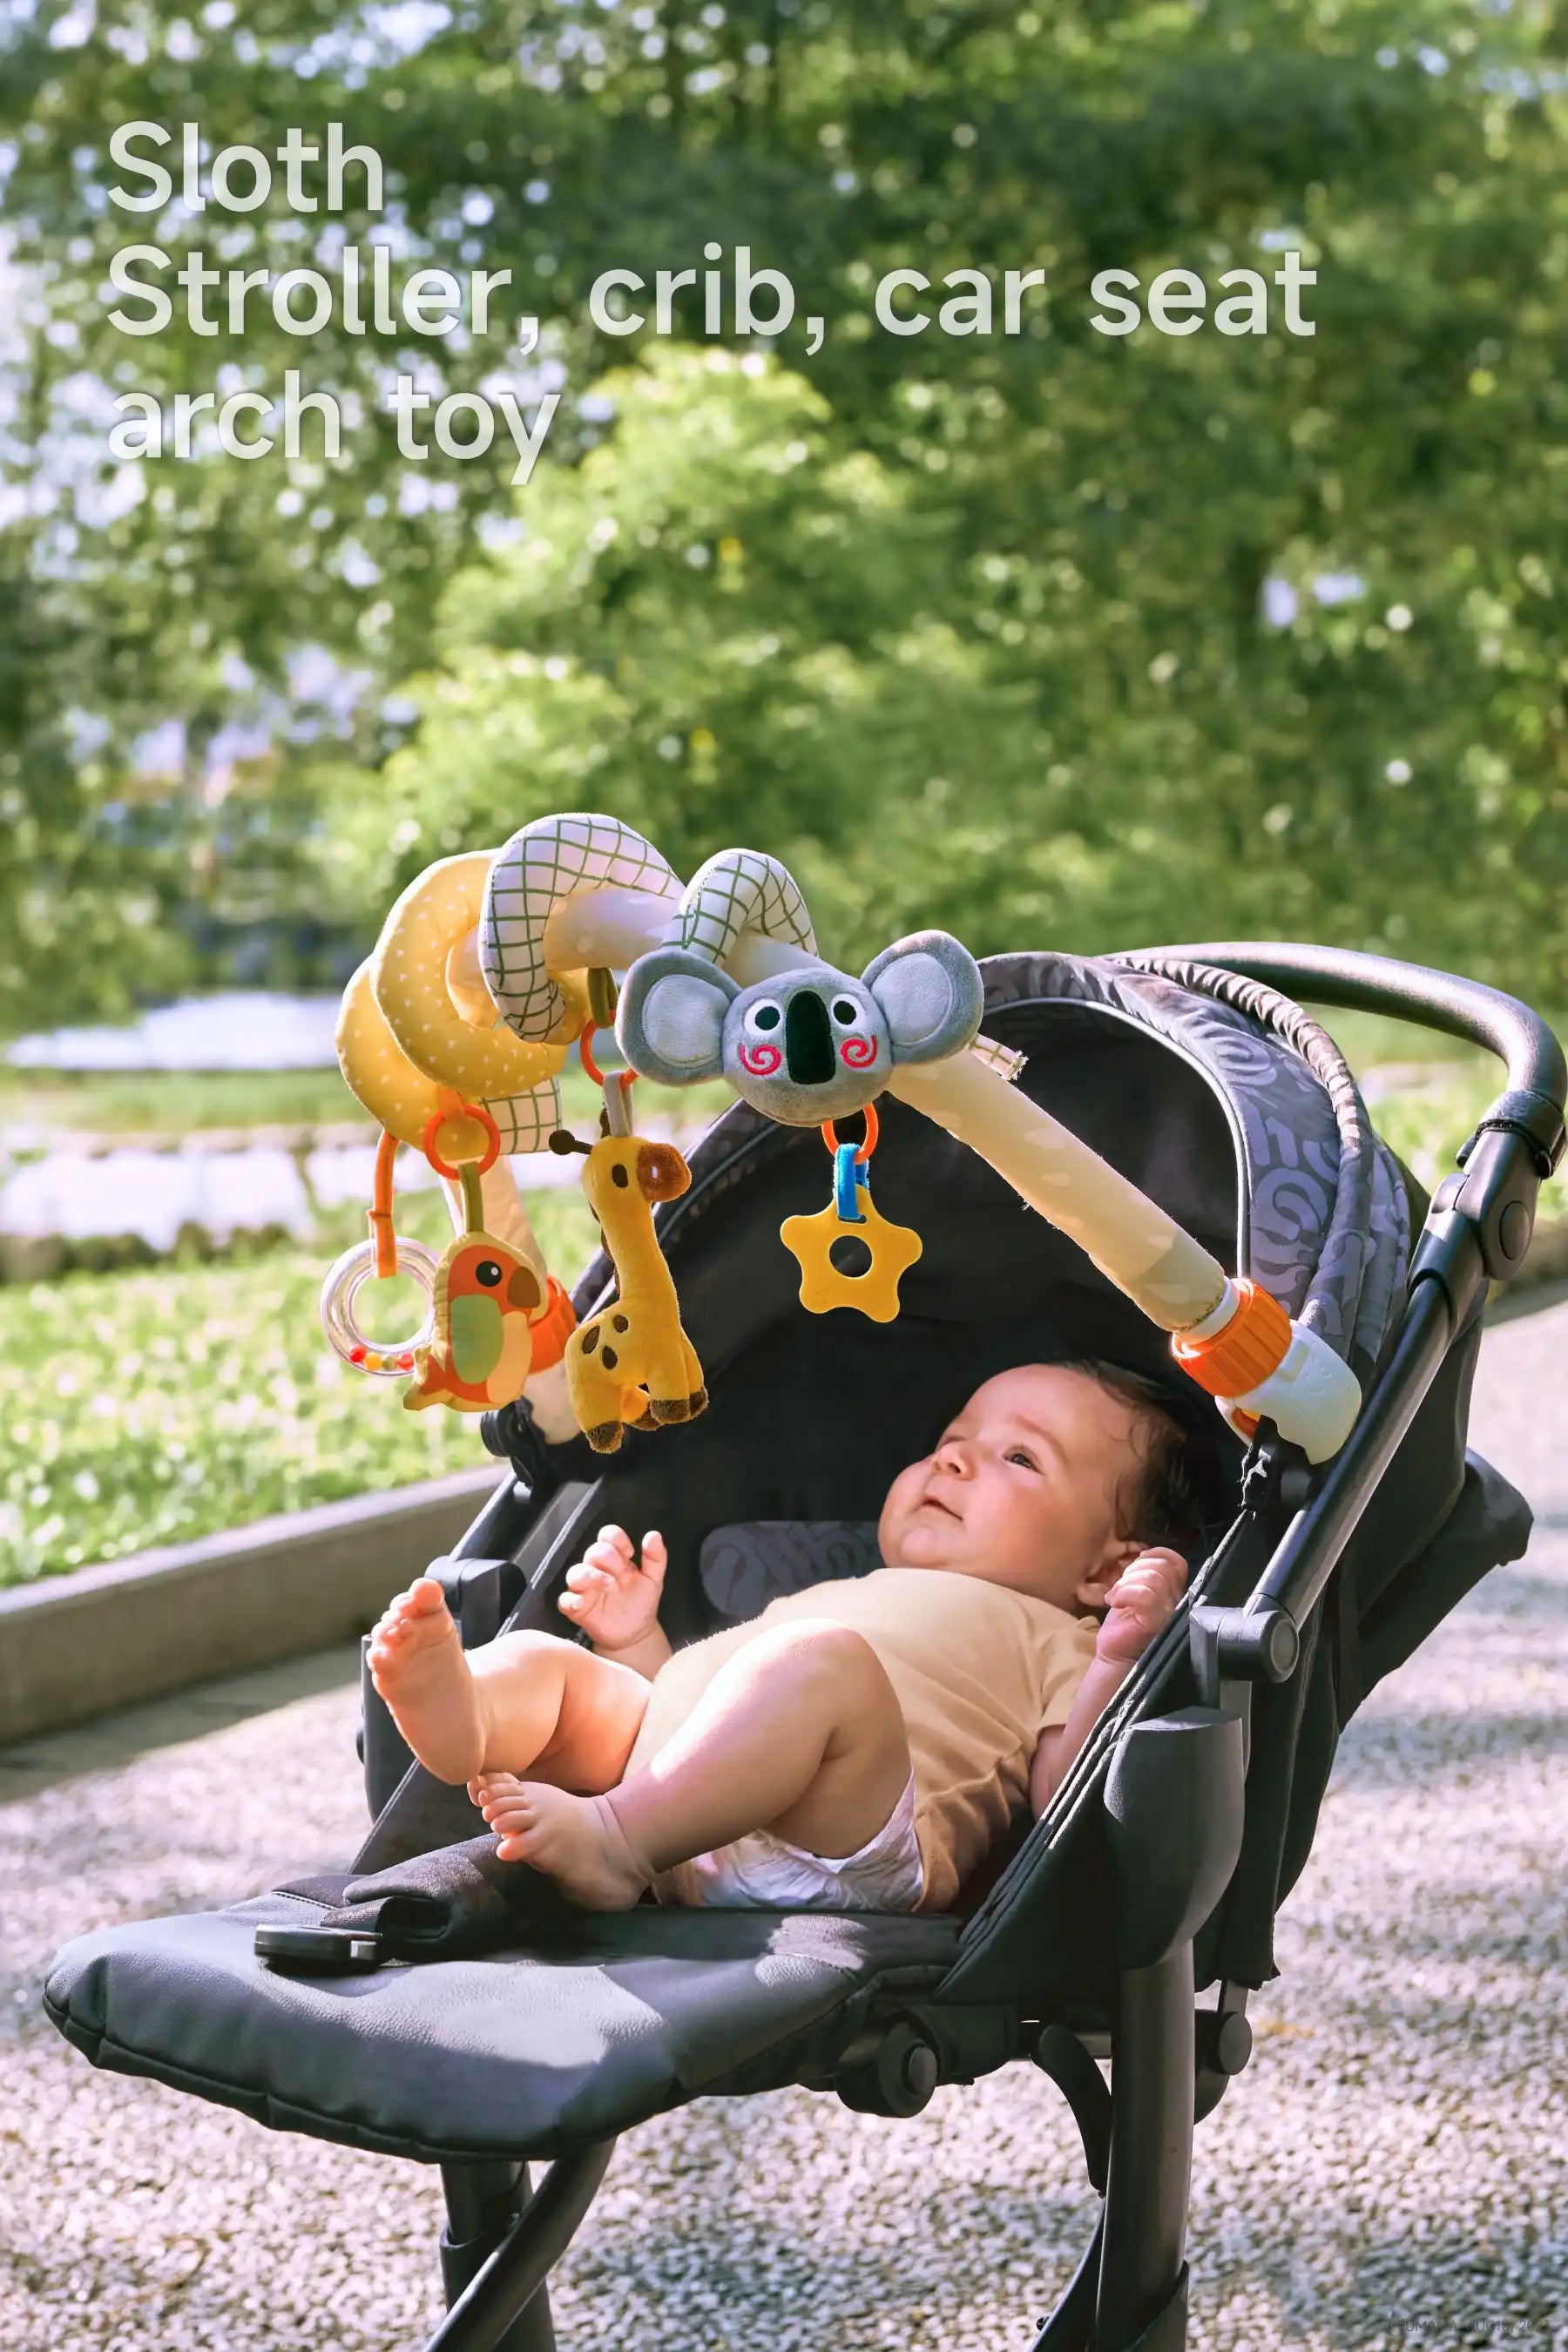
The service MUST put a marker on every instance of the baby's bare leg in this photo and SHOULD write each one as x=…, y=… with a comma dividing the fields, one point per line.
x=527, y=1702
x=799, y=1732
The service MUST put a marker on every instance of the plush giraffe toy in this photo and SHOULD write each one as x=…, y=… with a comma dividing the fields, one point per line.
x=631, y=1361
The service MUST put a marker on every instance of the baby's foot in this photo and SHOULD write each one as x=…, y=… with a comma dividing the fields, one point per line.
x=416, y=1662
x=575, y=1841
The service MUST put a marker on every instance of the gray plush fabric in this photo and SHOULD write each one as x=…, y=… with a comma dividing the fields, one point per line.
x=810, y=1045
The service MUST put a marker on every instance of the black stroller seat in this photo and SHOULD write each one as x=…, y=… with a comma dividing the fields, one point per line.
x=591, y=2024
x=433, y=2002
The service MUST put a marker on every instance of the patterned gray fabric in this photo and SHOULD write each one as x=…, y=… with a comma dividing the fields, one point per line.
x=1368, y=1222
x=744, y=1567
x=1321, y=1198
x=1388, y=1265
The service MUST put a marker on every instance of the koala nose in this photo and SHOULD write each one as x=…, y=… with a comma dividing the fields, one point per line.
x=809, y=1040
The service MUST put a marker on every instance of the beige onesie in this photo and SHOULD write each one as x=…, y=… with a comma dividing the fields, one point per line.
x=980, y=1672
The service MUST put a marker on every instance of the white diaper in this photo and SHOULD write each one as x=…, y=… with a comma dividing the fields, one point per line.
x=763, y=1871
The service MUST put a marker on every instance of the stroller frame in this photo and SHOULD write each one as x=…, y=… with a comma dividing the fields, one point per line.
x=1172, y=1783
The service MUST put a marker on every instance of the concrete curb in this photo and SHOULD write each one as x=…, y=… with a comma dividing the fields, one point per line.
x=76, y=1646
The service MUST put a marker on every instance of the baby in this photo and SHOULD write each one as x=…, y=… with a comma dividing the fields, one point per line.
x=862, y=1743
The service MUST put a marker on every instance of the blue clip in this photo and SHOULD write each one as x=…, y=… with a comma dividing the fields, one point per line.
x=847, y=1179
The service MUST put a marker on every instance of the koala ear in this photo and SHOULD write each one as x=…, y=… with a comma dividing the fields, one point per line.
x=932, y=995
x=662, y=1174
x=669, y=1024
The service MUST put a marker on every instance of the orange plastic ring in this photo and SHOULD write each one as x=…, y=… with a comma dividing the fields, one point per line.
x=873, y=1128
x=464, y=1110
x=591, y=1067
x=584, y=1047
x=1251, y=1346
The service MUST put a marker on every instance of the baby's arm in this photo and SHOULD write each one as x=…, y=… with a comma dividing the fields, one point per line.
x=1139, y=1605
x=616, y=1603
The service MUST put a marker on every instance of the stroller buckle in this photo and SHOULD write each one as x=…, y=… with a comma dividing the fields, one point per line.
x=318, y=1951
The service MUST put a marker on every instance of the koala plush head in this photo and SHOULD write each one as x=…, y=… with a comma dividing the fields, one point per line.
x=814, y=1042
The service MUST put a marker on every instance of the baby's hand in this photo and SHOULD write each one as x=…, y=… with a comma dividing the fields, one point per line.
x=1139, y=1604
x=614, y=1600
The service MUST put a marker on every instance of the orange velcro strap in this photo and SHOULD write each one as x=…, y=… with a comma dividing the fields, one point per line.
x=1252, y=1345
x=553, y=1328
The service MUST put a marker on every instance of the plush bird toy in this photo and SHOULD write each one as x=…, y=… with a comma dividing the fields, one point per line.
x=484, y=1295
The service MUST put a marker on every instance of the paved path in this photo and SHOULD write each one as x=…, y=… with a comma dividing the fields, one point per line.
x=1391, y=2171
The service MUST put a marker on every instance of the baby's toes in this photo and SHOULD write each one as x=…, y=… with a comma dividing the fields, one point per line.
x=509, y=1827
x=494, y=1784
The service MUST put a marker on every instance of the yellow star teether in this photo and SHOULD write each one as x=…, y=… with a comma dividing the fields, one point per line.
x=894, y=1249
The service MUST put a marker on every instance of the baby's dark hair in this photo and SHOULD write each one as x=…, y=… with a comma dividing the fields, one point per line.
x=1162, y=1501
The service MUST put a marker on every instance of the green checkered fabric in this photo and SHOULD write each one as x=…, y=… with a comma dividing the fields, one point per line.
x=526, y=1122
x=741, y=890
x=545, y=862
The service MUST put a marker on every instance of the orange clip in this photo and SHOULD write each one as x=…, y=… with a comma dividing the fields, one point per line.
x=1252, y=1345
x=873, y=1128
x=591, y=1068
x=380, y=1212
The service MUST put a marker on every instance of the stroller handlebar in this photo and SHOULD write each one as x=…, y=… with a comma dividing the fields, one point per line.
x=1403, y=991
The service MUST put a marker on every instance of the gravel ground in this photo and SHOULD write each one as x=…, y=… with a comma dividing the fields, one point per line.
x=1392, y=2170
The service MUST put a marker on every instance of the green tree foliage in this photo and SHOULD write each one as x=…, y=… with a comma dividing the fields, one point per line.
x=994, y=646
x=729, y=623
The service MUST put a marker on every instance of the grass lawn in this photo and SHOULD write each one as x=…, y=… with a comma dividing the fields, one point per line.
x=180, y=1102
x=1371, y=1040
x=148, y=1408
x=170, y=1102
x=1427, y=1125
x=1426, y=1091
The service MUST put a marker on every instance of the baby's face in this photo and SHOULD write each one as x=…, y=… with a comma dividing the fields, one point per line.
x=1022, y=1489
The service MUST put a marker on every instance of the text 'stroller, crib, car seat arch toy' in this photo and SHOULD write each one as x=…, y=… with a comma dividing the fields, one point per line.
x=458, y=1027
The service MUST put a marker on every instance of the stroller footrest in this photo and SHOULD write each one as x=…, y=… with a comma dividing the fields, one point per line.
x=599, y=2021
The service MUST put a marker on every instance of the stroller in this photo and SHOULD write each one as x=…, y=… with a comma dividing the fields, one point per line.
x=446, y=2007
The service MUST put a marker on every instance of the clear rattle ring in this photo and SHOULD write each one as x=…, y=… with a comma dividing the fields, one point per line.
x=382, y=1359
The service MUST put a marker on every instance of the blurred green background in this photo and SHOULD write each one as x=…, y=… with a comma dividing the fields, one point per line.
x=1050, y=638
